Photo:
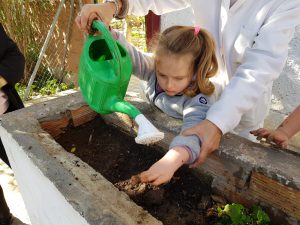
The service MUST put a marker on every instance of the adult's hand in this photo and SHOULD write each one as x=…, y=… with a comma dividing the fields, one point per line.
x=90, y=12
x=210, y=136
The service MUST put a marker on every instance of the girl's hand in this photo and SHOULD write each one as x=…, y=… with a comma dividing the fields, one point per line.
x=90, y=12
x=159, y=173
x=210, y=136
x=278, y=136
x=163, y=170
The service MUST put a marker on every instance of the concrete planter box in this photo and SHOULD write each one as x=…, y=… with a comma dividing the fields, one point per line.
x=57, y=191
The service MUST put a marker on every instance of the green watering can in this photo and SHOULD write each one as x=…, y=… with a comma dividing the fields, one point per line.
x=104, y=72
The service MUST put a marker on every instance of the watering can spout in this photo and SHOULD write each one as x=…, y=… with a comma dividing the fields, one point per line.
x=147, y=132
x=124, y=107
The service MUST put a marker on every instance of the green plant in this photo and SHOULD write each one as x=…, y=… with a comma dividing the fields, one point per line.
x=20, y=88
x=53, y=86
x=50, y=87
x=237, y=214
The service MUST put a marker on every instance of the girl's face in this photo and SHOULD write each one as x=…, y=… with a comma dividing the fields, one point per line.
x=173, y=72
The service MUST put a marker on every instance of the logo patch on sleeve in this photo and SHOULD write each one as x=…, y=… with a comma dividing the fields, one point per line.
x=203, y=100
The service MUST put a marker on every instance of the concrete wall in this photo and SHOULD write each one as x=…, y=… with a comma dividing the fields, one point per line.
x=286, y=89
x=44, y=203
x=59, y=188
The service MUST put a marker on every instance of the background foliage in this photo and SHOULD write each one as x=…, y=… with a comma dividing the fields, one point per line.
x=28, y=21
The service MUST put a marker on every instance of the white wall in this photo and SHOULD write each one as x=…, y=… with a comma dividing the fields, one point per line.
x=44, y=203
x=286, y=89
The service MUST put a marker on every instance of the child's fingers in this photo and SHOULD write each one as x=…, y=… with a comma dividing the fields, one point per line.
x=270, y=138
x=254, y=132
x=258, y=131
x=264, y=134
x=160, y=180
x=154, y=179
x=135, y=179
x=148, y=177
x=284, y=144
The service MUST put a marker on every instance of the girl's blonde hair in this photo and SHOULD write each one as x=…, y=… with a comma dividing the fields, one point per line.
x=181, y=40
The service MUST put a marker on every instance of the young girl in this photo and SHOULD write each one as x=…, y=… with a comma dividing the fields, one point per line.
x=178, y=84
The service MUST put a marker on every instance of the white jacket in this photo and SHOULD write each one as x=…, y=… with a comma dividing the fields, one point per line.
x=252, y=40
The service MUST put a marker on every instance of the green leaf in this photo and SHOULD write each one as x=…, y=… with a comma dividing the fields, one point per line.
x=235, y=212
x=260, y=216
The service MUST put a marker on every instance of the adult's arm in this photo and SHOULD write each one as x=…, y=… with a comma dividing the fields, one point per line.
x=263, y=63
x=159, y=7
x=12, y=61
x=105, y=11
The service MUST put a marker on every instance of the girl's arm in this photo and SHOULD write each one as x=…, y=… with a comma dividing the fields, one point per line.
x=142, y=63
x=194, y=111
x=183, y=149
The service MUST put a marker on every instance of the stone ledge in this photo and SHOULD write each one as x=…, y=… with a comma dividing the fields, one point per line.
x=242, y=171
x=57, y=187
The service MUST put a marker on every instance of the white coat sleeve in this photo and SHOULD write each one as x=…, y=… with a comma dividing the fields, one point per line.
x=262, y=64
x=159, y=7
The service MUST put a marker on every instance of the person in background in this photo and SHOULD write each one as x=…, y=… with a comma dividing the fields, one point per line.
x=12, y=65
x=177, y=82
x=287, y=129
x=252, y=46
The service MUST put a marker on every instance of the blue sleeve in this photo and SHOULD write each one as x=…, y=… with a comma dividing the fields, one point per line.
x=194, y=112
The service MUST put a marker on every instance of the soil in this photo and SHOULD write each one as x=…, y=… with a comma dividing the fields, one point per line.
x=185, y=200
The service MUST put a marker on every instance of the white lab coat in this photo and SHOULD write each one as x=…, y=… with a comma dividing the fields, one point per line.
x=252, y=43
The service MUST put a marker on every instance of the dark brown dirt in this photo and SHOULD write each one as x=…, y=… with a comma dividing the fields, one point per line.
x=183, y=201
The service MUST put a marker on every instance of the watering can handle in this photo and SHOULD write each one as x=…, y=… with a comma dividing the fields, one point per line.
x=111, y=42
